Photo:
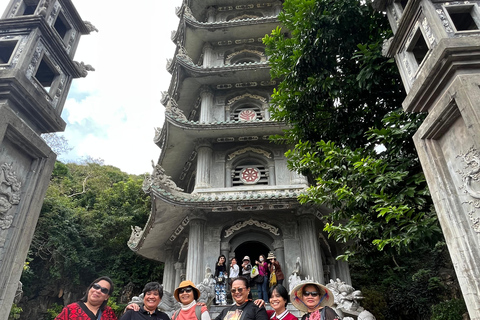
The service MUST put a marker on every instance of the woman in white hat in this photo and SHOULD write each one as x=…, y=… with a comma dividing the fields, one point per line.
x=315, y=300
x=187, y=294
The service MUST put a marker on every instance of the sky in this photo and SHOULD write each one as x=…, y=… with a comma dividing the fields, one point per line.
x=112, y=113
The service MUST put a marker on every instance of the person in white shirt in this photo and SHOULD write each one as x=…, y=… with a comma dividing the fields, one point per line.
x=234, y=269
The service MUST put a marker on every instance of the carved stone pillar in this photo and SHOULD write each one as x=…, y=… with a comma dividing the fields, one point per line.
x=179, y=269
x=169, y=271
x=228, y=176
x=195, y=264
x=342, y=271
x=208, y=55
x=271, y=174
x=311, y=254
x=298, y=178
x=278, y=246
x=225, y=250
x=204, y=163
x=206, y=104
x=211, y=14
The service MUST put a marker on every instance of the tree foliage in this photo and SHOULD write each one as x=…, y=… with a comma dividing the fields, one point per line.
x=342, y=100
x=82, y=233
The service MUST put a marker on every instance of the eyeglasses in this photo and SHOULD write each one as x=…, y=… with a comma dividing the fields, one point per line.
x=235, y=290
x=185, y=290
x=310, y=293
x=96, y=286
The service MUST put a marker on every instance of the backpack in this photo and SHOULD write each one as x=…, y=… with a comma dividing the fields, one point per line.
x=198, y=313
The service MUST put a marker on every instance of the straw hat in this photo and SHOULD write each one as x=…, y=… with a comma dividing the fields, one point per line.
x=184, y=284
x=246, y=258
x=271, y=256
x=326, y=296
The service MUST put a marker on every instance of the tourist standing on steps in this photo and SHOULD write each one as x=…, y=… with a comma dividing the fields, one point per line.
x=93, y=305
x=234, y=271
x=262, y=278
x=275, y=268
x=220, y=281
x=278, y=302
x=246, y=268
x=314, y=299
x=187, y=294
x=243, y=308
x=152, y=295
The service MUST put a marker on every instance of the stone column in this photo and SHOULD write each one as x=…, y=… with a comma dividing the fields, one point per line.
x=206, y=104
x=225, y=250
x=211, y=14
x=179, y=267
x=228, y=176
x=279, y=252
x=204, y=164
x=208, y=55
x=310, y=248
x=342, y=271
x=169, y=271
x=271, y=174
x=195, y=264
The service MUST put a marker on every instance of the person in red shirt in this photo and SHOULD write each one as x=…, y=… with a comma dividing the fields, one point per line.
x=278, y=302
x=93, y=305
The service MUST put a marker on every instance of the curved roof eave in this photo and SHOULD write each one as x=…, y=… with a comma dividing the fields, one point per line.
x=171, y=208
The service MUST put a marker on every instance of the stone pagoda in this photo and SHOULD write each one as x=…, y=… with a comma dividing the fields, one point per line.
x=38, y=40
x=220, y=186
x=436, y=46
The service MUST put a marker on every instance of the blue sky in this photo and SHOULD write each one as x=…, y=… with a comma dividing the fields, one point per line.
x=111, y=114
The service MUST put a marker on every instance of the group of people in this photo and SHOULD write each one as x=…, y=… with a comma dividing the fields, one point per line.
x=309, y=297
x=268, y=273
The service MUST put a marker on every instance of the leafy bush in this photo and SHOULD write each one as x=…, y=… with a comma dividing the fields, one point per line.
x=449, y=310
x=15, y=312
x=53, y=311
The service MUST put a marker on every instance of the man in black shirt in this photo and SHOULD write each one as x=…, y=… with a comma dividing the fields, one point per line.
x=152, y=295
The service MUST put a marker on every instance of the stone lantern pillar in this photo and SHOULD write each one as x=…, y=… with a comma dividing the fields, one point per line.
x=38, y=40
x=436, y=46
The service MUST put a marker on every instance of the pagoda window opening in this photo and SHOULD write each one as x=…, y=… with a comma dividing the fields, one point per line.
x=418, y=48
x=62, y=26
x=245, y=56
x=46, y=74
x=249, y=173
x=27, y=8
x=247, y=112
x=464, y=17
x=6, y=50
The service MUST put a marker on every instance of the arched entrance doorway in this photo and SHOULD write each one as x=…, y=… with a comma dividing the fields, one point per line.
x=253, y=249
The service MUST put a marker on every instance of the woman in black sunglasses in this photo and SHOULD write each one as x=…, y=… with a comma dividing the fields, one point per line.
x=187, y=294
x=93, y=305
x=243, y=308
x=314, y=299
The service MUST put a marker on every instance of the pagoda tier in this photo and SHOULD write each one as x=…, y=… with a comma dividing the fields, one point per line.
x=221, y=186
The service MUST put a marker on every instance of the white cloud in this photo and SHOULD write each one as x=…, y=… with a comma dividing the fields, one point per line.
x=111, y=114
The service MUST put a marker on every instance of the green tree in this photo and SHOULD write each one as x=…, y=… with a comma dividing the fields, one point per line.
x=82, y=233
x=342, y=100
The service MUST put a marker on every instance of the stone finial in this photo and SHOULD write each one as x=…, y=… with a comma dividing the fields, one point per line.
x=90, y=26
x=83, y=68
x=160, y=179
x=135, y=237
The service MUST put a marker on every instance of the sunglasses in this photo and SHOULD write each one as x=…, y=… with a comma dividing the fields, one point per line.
x=96, y=286
x=235, y=290
x=310, y=293
x=185, y=290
